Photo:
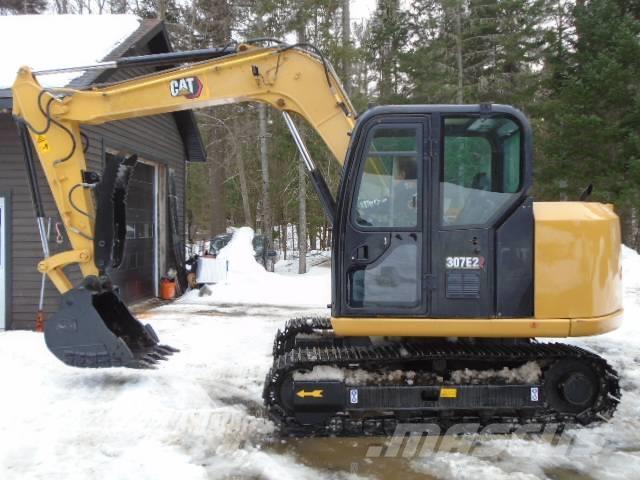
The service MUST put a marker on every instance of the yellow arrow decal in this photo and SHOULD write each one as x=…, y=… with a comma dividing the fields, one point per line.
x=313, y=393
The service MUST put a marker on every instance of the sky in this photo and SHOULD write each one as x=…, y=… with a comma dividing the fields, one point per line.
x=362, y=9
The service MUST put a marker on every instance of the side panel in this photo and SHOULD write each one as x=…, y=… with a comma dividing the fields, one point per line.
x=466, y=291
x=514, y=264
x=578, y=268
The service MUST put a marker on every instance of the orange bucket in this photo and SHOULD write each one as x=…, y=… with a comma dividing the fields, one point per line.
x=167, y=289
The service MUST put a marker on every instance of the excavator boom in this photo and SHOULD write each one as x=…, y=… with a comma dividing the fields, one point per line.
x=94, y=328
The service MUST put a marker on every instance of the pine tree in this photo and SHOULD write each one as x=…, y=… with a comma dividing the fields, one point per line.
x=592, y=114
x=388, y=36
x=469, y=51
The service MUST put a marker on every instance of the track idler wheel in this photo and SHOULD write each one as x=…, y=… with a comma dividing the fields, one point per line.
x=571, y=386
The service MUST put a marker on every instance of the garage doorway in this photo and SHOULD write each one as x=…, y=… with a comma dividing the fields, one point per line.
x=137, y=276
x=3, y=260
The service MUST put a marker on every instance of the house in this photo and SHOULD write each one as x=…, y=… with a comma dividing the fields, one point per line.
x=163, y=143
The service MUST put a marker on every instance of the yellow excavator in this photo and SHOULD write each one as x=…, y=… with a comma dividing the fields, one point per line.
x=444, y=270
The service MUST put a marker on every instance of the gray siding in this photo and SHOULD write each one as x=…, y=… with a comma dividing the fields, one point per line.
x=153, y=138
x=25, y=242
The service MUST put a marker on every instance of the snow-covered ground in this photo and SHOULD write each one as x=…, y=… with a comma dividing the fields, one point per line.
x=200, y=415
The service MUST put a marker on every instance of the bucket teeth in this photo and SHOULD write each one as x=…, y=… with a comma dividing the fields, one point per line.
x=157, y=356
x=169, y=350
x=141, y=364
x=148, y=358
x=163, y=351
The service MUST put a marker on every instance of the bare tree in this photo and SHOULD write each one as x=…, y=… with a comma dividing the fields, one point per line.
x=264, y=164
x=22, y=6
x=459, y=65
x=244, y=190
x=302, y=193
x=346, y=45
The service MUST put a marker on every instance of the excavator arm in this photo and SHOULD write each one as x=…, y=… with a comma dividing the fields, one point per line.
x=289, y=78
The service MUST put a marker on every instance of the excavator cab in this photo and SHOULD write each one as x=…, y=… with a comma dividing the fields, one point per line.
x=435, y=214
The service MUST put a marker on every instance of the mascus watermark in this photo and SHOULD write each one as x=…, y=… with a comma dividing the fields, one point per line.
x=427, y=439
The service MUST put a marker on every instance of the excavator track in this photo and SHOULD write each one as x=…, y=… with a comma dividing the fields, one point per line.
x=574, y=386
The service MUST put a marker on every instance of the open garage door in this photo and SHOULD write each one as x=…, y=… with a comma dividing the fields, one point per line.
x=137, y=276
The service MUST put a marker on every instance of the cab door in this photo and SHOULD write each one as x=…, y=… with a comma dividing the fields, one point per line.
x=384, y=251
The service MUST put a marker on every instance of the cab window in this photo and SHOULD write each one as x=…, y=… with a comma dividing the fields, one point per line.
x=482, y=168
x=388, y=184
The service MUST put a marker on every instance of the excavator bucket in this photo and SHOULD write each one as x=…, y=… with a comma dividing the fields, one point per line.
x=97, y=330
x=93, y=327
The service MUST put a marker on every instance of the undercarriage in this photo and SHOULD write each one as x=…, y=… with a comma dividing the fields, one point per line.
x=321, y=384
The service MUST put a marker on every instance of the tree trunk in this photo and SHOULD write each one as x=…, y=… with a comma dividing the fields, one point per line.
x=313, y=238
x=302, y=218
x=264, y=163
x=218, y=32
x=346, y=45
x=627, y=227
x=460, y=93
x=218, y=221
x=388, y=11
x=244, y=190
x=302, y=192
x=283, y=240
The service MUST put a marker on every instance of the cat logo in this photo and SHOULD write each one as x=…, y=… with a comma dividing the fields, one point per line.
x=188, y=87
x=313, y=393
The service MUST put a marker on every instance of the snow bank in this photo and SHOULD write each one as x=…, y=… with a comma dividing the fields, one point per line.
x=240, y=256
x=248, y=283
x=56, y=41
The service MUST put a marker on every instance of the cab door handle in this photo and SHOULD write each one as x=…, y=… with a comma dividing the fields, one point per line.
x=362, y=252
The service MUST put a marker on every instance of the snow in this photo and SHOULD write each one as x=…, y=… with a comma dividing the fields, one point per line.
x=240, y=256
x=245, y=275
x=57, y=41
x=528, y=373
x=200, y=415
x=314, y=258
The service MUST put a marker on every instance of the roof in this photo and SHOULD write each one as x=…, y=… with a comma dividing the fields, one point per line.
x=61, y=41
x=103, y=37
